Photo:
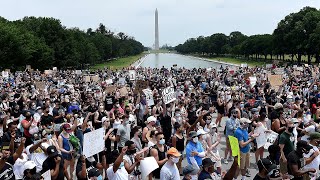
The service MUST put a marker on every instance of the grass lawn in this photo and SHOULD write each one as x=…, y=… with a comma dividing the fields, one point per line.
x=118, y=63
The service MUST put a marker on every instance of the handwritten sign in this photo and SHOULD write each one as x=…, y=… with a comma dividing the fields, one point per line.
x=111, y=89
x=109, y=81
x=123, y=91
x=149, y=96
x=140, y=85
x=95, y=78
x=122, y=81
x=93, y=142
x=40, y=85
x=132, y=75
x=275, y=80
x=87, y=78
x=279, y=71
x=78, y=72
x=168, y=95
x=48, y=72
x=244, y=65
x=5, y=74
x=271, y=138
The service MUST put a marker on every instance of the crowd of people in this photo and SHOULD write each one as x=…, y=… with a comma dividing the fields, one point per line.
x=42, y=127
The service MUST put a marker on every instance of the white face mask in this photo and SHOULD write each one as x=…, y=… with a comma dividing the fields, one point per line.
x=162, y=141
x=175, y=160
x=194, y=177
x=195, y=140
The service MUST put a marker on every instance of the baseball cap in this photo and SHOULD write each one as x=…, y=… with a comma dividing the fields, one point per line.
x=294, y=120
x=5, y=146
x=67, y=127
x=189, y=169
x=9, y=121
x=278, y=106
x=151, y=119
x=244, y=120
x=173, y=151
x=192, y=134
x=94, y=172
x=304, y=144
x=207, y=162
x=201, y=132
x=267, y=164
x=29, y=165
x=314, y=135
x=52, y=151
x=213, y=125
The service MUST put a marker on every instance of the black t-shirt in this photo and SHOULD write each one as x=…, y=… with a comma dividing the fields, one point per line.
x=6, y=173
x=108, y=102
x=89, y=166
x=47, y=120
x=50, y=164
x=7, y=138
x=257, y=177
x=295, y=159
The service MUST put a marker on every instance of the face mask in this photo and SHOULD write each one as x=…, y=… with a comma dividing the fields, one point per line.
x=162, y=141
x=49, y=136
x=194, y=109
x=195, y=140
x=208, y=121
x=290, y=129
x=132, y=151
x=194, y=177
x=175, y=160
x=121, y=165
x=99, y=177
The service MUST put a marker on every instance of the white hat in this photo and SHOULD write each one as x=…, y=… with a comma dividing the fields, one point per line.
x=213, y=125
x=104, y=119
x=8, y=122
x=151, y=118
x=244, y=120
x=29, y=165
x=201, y=132
x=278, y=106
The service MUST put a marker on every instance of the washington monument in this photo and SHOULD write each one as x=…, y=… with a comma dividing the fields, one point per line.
x=156, y=42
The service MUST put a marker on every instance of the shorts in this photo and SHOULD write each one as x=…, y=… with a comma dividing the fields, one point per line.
x=244, y=160
x=283, y=167
x=67, y=157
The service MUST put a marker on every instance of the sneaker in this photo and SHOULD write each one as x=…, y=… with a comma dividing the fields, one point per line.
x=230, y=159
x=225, y=161
x=248, y=173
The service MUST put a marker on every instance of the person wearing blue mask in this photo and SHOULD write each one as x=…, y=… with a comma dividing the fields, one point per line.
x=194, y=149
x=158, y=151
x=94, y=174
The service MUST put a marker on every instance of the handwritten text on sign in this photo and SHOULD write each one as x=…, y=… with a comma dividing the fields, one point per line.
x=168, y=95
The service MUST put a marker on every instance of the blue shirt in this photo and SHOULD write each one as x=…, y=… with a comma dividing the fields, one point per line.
x=242, y=135
x=191, y=146
x=231, y=125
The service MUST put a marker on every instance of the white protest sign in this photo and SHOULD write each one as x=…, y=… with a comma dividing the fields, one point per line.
x=93, y=142
x=168, y=95
x=271, y=138
x=78, y=72
x=268, y=66
x=244, y=65
x=279, y=70
x=5, y=74
x=295, y=66
x=253, y=80
x=300, y=68
x=147, y=165
x=109, y=81
x=122, y=81
x=54, y=69
x=46, y=175
x=132, y=75
x=149, y=96
x=261, y=139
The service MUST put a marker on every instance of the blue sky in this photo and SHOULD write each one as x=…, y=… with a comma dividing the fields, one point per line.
x=178, y=19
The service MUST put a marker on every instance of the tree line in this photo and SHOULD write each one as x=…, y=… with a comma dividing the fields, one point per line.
x=297, y=35
x=44, y=43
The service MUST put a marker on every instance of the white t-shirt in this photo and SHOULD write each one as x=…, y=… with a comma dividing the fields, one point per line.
x=169, y=172
x=37, y=156
x=18, y=167
x=120, y=174
x=315, y=162
x=309, y=129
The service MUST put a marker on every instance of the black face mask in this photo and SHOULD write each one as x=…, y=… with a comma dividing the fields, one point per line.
x=132, y=151
x=290, y=129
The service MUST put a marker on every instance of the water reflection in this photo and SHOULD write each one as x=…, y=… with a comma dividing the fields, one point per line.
x=168, y=60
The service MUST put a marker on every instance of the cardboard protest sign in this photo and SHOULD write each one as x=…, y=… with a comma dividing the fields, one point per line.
x=132, y=75
x=149, y=96
x=140, y=85
x=93, y=142
x=275, y=80
x=234, y=144
x=111, y=89
x=168, y=95
x=48, y=72
x=95, y=78
x=271, y=138
x=40, y=85
x=247, y=75
x=87, y=78
x=123, y=91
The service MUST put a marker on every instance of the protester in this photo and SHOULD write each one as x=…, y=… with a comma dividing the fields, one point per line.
x=170, y=170
x=266, y=168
